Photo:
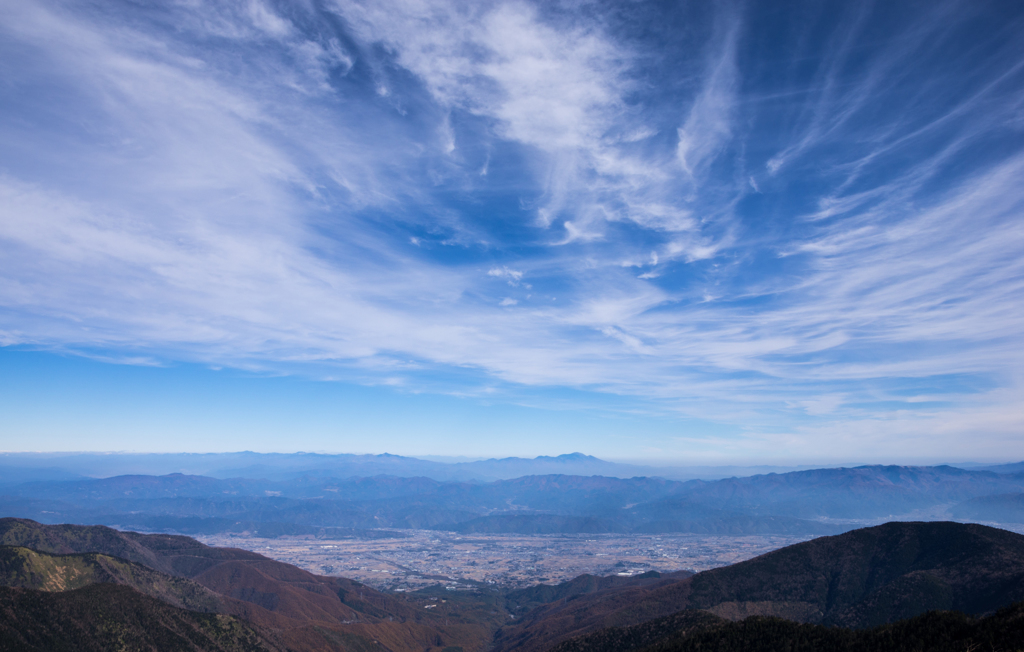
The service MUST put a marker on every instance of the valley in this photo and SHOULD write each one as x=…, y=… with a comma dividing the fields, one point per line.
x=429, y=557
x=892, y=587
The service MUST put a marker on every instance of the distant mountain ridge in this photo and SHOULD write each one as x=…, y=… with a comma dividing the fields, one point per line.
x=812, y=502
x=1000, y=508
x=1016, y=467
x=18, y=467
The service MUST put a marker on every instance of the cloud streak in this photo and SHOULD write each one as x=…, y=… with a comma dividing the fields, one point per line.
x=464, y=196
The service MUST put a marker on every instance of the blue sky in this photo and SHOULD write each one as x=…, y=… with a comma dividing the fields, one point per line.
x=681, y=232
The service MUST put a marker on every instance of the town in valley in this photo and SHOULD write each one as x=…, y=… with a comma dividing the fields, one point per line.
x=415, y=559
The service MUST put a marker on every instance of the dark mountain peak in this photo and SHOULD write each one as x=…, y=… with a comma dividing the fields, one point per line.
x=696, y=631
x=873, y=575
x=862, y=578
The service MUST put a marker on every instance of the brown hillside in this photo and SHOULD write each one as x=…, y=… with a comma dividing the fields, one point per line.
x=550, y=624
x=104, y=617
x=301, y=610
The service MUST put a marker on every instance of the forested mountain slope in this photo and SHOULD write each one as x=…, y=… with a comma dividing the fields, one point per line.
x=859, y=579
x=105, y=617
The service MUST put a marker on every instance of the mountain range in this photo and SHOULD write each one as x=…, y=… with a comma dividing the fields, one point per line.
x=809, y=502
x=22, y=467
x=885, y=588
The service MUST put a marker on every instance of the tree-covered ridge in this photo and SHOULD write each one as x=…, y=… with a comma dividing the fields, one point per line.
x=701, y=631
x=859, y=579
x=872, y=576
x=109, y=617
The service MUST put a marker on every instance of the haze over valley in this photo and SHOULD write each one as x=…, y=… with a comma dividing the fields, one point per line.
x=357, y=552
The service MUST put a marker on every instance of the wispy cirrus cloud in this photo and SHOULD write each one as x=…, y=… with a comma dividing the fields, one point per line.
x=798, y=240
x=562, y=91
x=708, y=124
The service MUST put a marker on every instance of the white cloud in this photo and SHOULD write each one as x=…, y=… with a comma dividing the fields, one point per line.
x=558, y=89
x=198, y=217
x=265, y=19
x=447, y=136
x=707, y=126
x=511, y=275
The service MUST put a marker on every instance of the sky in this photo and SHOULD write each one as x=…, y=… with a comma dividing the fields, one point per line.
x=680, y=232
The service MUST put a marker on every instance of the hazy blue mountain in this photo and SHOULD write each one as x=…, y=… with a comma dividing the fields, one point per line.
x=14, y=475
x=245, y=464
x=24, y=467
x=822, y=501
x=1001, y=508
x=1017, y=467
x=142, y=487
x=863, y=492
x=570, y=464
